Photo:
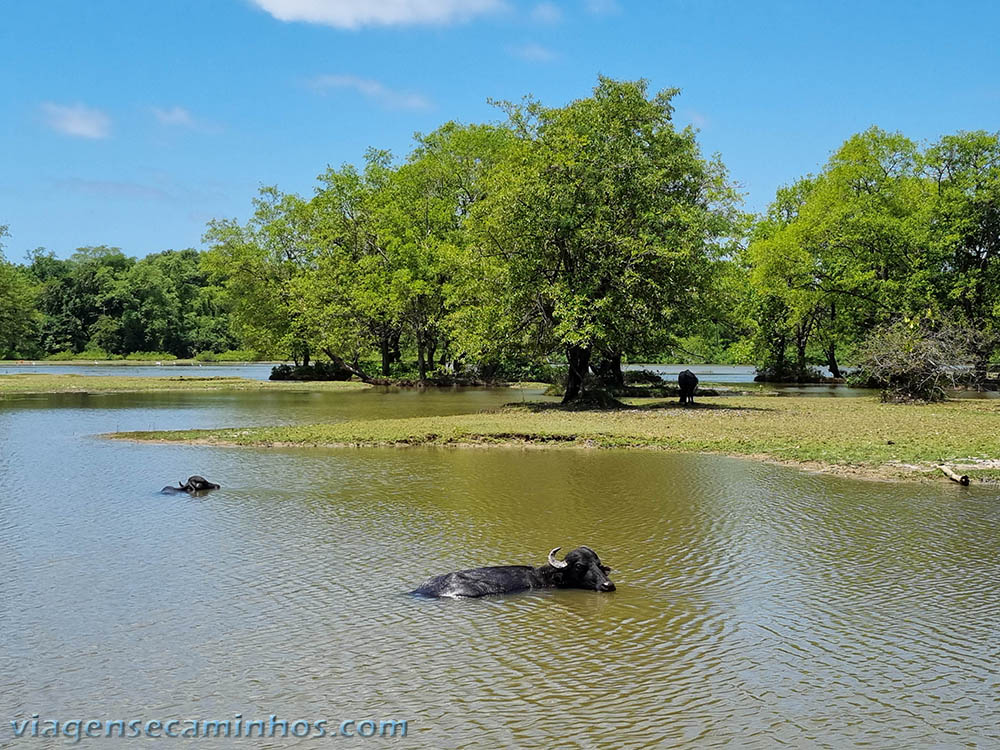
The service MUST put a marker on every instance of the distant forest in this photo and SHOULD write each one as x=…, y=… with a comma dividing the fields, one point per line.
x=590, y=234
x=100, y=303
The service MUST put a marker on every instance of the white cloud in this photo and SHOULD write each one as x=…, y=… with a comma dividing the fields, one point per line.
x=179, y=117
x=374, y=90
x=76, y=120
x=354, y=14
x=546, y=13
x=533, y=52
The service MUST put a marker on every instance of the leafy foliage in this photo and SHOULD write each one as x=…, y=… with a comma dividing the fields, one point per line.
x=885, y=232
x=602, y=221
x=565, y=241
x=18, y=316
x=100, y=300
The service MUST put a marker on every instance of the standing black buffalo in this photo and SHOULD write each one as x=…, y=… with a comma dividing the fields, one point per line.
x=581, y=569
x=192, y=485
x=687, y=381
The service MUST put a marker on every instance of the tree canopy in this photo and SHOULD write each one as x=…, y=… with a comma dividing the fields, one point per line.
x=604, y=219
x=578, y=236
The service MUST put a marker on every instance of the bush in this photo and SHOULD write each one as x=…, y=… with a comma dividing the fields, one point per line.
x=915, y=361
x=643, y=377
x=315, y=371
x=517, y=368
x=93, y=354
x=790, y=374
x=205, y=357
x=87, y=354
x=150, y=357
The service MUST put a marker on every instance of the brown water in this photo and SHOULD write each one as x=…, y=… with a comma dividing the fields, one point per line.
x=757, y=606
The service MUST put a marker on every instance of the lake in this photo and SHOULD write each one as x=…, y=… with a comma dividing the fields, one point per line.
x=261, y=370
x=756, y=606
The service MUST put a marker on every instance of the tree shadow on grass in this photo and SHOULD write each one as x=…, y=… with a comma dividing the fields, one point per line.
x=541, y=407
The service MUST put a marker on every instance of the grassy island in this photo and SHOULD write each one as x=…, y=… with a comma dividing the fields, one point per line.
x=859, y=436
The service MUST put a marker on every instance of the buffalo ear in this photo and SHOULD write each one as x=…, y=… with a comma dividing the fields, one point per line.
x=606, y=569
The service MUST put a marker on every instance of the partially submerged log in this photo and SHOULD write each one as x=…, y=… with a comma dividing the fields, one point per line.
x=962, y=480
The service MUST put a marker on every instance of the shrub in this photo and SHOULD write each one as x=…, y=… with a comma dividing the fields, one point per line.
x=205, y=357
x=915, y=361
x=791, y=374
x=517, y=368
x=315, y=371
x=93, y=354
x=643, y=377
x=64, y=356
x=150, y=356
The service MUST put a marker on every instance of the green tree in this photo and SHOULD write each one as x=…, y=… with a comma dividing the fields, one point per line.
x=390, y=249
x=352, y=293
x=257, y=265
x=603, y=219
x=841, y=253
x=100, y=298
x=18, y=313
x=77, y=293
x=964, y=223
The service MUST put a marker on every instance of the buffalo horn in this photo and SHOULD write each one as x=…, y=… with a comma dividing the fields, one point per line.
x=556, y=563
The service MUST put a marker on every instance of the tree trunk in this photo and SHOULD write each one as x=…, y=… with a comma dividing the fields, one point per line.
x=395, y=355
x=444, y=354
x=353, y=369
x=579, y=361
x=609, y=370
x=386, y=353
x=431, y=351
x=950, y=473
x=980, y=369
x=617, y=376
x=831, y=361
x=800, y=353
x=778, y=350
x=421, y=362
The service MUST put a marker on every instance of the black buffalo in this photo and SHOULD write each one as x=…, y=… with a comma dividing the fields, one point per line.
x=687, y=381
x=192, y=485
x=581, y=569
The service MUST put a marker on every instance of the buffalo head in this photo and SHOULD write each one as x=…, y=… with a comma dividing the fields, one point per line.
x=581, y=569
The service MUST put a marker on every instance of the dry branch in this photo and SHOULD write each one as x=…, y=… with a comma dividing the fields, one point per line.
x=962, y=480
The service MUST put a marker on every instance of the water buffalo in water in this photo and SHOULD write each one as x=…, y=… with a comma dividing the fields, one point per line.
x=687, y=381
x=192, y=485
x=580, y=569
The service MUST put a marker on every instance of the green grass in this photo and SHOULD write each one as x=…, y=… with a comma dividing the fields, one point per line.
x=858, y=436
x=44, y=383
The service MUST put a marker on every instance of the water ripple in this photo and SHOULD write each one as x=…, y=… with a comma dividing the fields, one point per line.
x=756, y=607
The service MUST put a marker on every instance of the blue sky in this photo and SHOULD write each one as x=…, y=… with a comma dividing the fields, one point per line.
x=133, y=122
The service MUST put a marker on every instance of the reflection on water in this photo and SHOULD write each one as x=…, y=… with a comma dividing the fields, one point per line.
x=756, y=605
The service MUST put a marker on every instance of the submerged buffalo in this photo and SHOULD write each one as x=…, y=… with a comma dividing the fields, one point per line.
x=687, y=381
x=581, y=569
x=192, y=485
